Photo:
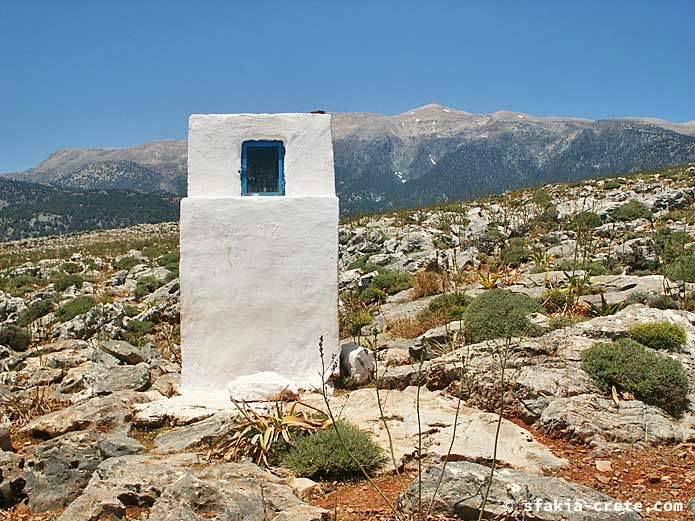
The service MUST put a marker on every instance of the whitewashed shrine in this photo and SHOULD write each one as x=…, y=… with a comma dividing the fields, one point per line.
x=259, y=249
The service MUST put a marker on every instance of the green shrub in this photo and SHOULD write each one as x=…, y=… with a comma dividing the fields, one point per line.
x=584, y=221
x=71, y=268
x=593, y=268
x=450, y=305
x=390, y=281
x=126, y=263
x=631, y=210
x=659, y=335
x=629, y=366
x=611, y=185
x=555, y=300
x=541, y=198
x=514, y=256
x=662, y=302
x=372, y=294
x=130, y=310
x=170, y=261
x=63, y=281
x=37, y=310
x=136, y=329
x=359, y=263
x=146, y=285
x=683, y=268
x=499, y=313
x=75, y=307
x=670, y=244
x=322, y=456
x=22, y=284
x=443, y=241
x=354, y=321
x=15, y=337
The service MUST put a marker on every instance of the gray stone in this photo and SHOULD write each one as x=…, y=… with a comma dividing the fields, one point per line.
x=112, y=412
x=194, y=435
x=11, y=479
x=124, y=378
x=57, y=470
x=177, y=488
x=691, y=506
x=463, y=485
x=123, y=351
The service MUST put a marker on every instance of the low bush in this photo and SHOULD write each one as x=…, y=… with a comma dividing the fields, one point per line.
x=555, y=300
x=21, y=285
x=451, y=306
x=629, y=366
x=136, y=329
x=321, y=455
x=659, y=335
x=37, y=310
x=611, y=185
x=126, y=263
x=632, y=210
x=63, y=281
x=683, y=268
x=670, y=244
x=146, y=285
x=390, y=281
x=170, y=261
x=584, y=221
x=75, y=307
x=354, y=321
x=499, y=313
x=515, y=256
x=71, y=268
x=15, y=337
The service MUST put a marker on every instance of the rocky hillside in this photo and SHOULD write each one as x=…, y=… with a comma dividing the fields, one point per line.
x=429, y=154
x=33, y=210
x=569, y=310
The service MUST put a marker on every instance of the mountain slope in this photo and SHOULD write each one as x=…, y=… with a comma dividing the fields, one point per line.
x=428, y=154
x=32, y=210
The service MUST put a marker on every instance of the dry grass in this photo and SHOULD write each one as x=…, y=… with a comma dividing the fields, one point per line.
x=427, y=283
x=21, y=411
x=411, y=327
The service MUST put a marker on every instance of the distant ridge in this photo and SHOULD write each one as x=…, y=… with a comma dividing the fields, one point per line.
x=429, y=154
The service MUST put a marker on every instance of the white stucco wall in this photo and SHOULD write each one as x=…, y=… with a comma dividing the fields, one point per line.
x=214, y=151
x=258, y=273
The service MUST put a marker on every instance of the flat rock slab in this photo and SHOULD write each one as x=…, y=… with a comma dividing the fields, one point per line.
x=177, y=487
x=123, y=351
x=112, y=412
x=475, y=430
x=57, y=470
x=193, y=436
x=170, y=412
x=464, y=483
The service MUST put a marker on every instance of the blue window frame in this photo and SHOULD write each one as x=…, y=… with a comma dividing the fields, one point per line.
x=262, y=168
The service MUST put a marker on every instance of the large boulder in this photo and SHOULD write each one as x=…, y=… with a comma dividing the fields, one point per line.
x=105, y=413
x=512, y=492
x=177, y=487
x=57, y=470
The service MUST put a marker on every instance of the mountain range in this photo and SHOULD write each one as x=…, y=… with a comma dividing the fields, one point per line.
x=426, y=155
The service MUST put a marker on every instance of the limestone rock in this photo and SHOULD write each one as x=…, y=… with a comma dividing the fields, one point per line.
x=11, y=479
x=261, y=387
x=475, y=430
x=193, y=435
x=124, y=378
x=171, y=412
x=463, y=485
x=177, y=487
x=123, y=351
x=57, y=470
x=112, y=412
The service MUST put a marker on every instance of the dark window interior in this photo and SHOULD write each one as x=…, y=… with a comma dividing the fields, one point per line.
x=262, y=169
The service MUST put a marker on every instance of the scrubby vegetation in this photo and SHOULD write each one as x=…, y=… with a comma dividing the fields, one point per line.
x=630, y=367
x=15, y=337
x=659, y=335
x=321, y=455
x=631, y=211
x=499, y=313
x=76, y=306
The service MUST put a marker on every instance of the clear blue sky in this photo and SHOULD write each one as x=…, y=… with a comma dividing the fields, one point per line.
x=120, y=72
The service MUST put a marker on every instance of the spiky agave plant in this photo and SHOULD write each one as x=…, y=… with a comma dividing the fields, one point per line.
x=256, y=434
